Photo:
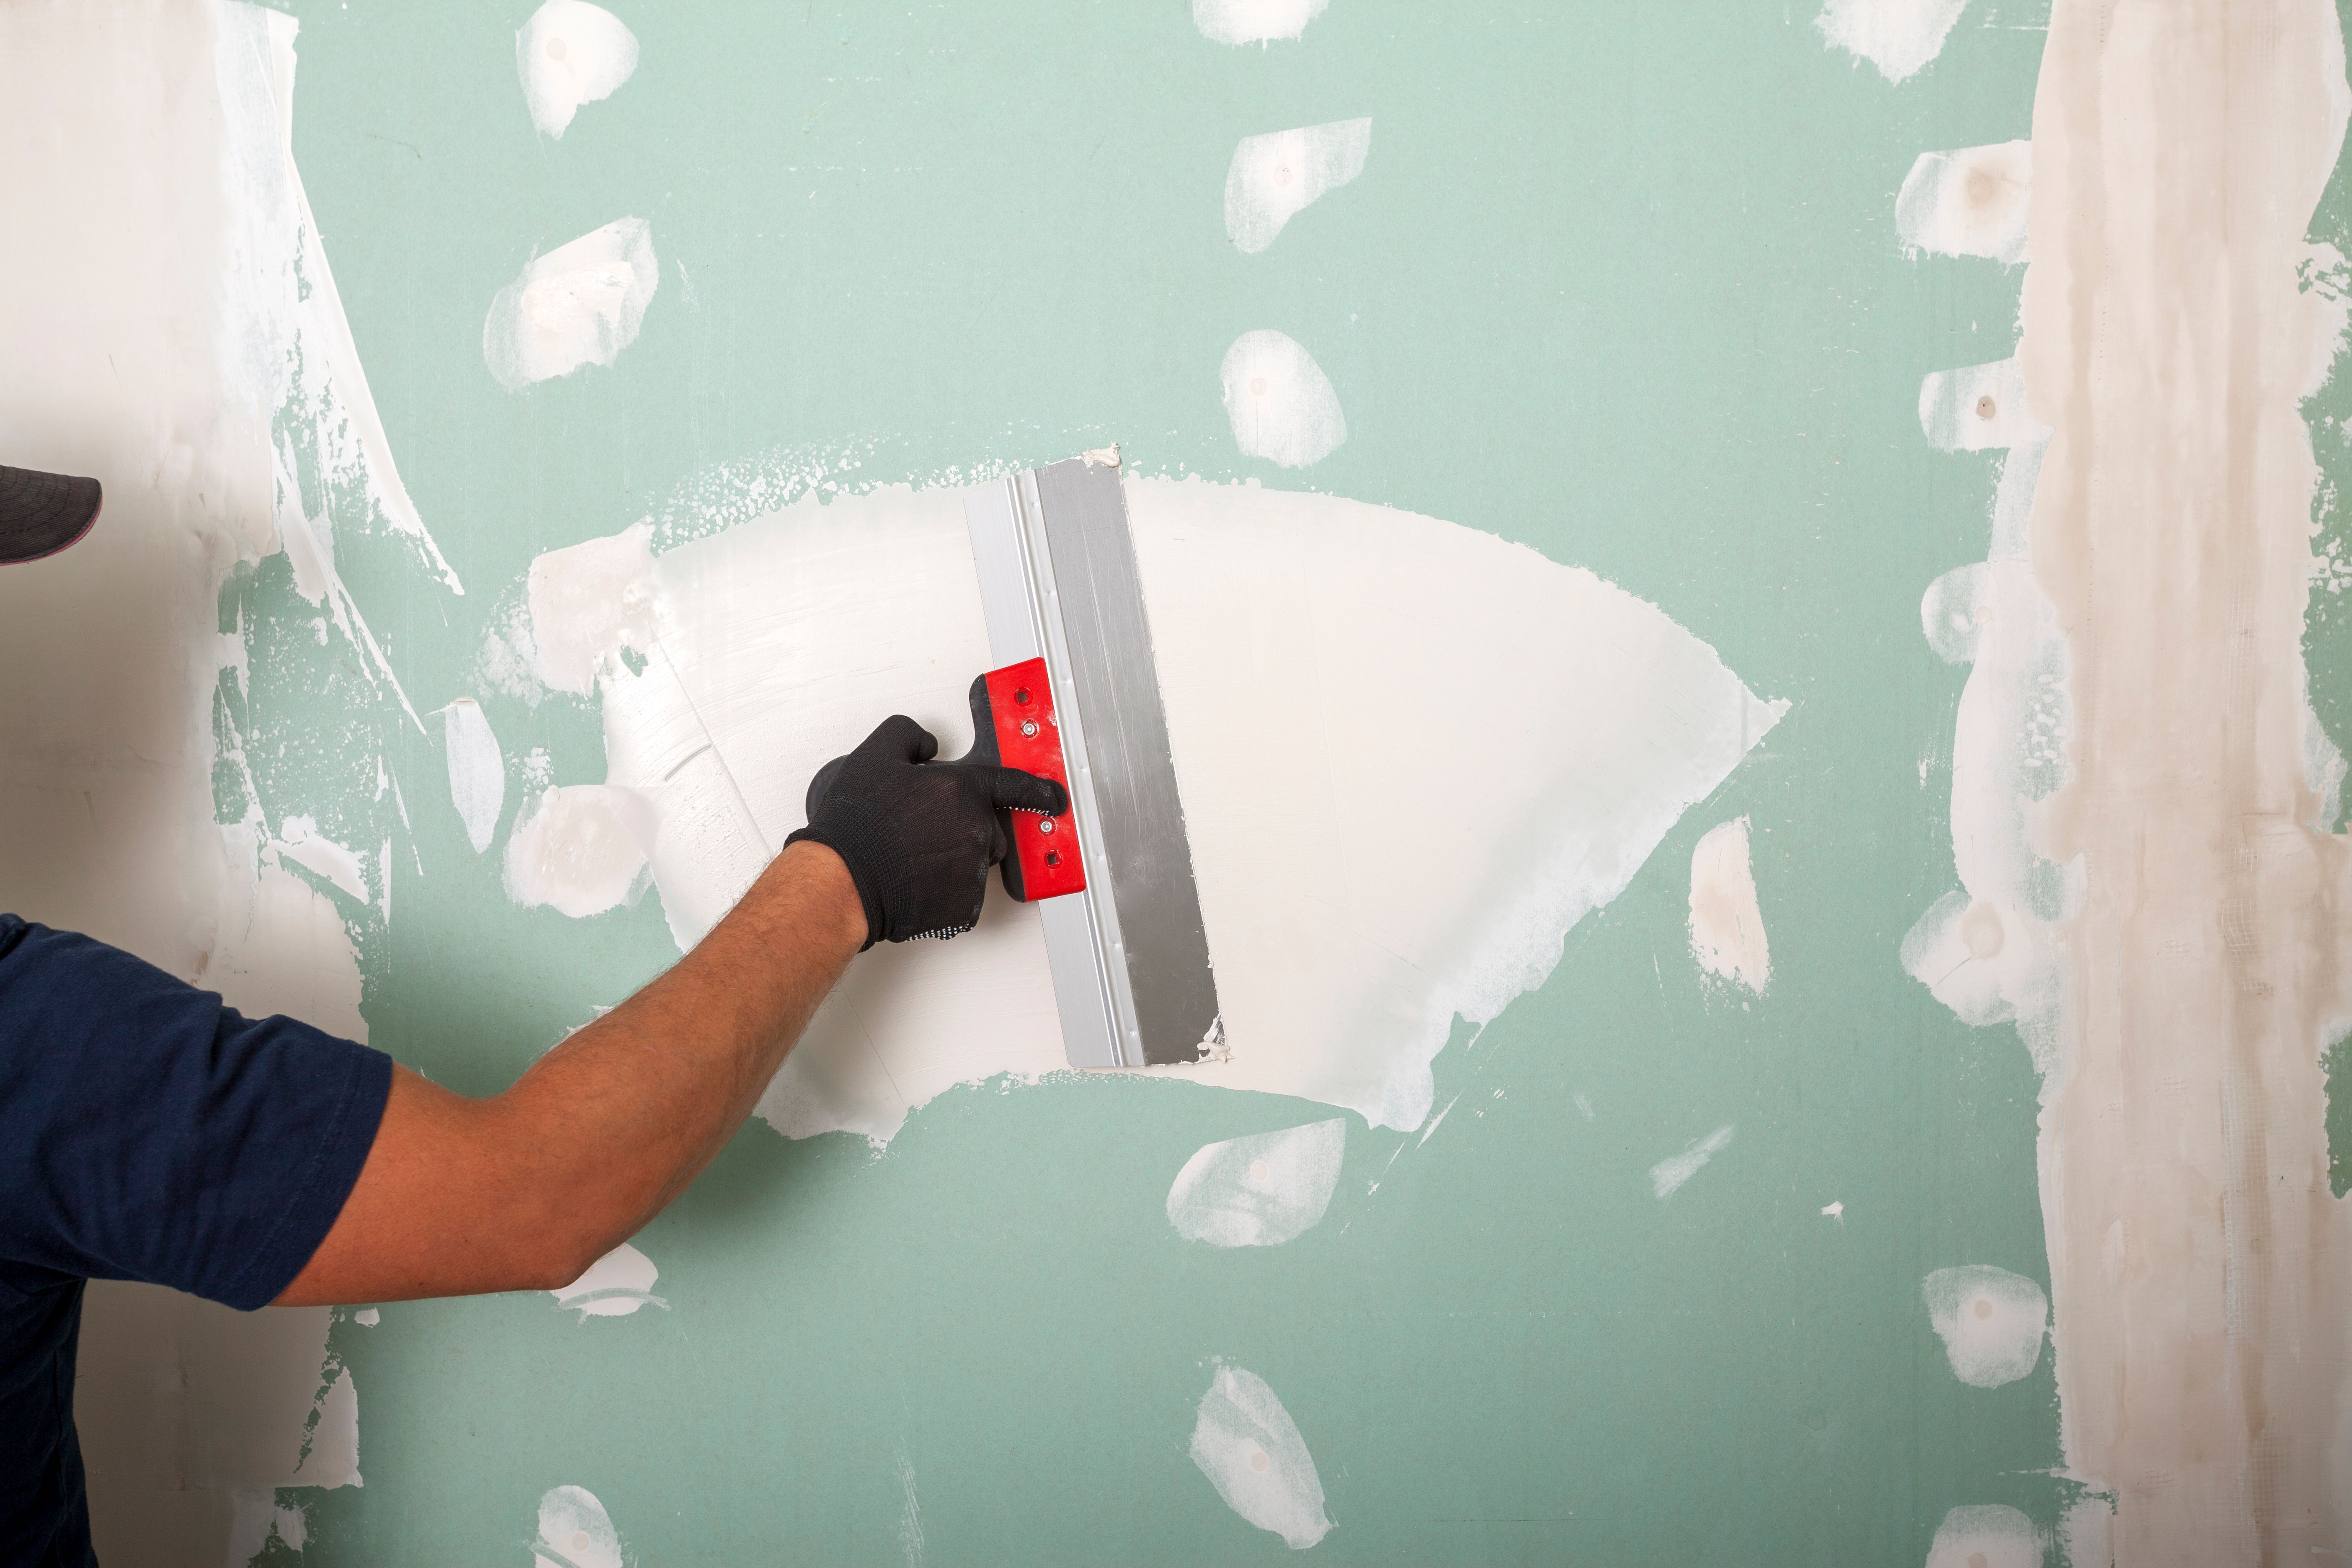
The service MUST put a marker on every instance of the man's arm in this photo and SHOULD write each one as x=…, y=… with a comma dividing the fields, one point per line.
x=524, y=1191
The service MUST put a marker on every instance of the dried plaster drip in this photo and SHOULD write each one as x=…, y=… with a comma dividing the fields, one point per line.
x=1282, y=623
x=2199, y=1263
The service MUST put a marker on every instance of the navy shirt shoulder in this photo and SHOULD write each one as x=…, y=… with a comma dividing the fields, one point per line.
x=147, y=1132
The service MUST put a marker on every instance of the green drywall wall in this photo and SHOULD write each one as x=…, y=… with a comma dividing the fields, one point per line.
x=1619, y=281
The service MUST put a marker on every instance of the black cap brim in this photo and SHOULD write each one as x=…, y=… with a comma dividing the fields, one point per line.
x=40, y=513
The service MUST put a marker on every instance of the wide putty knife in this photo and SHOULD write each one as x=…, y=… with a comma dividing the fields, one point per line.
x=1077, y=698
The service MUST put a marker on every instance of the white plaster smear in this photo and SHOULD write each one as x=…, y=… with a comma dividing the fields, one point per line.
x=1276, y=176
x=1667, y=1176
x=1990, y=1536
x=579, y=304
x=1290, y=625
x=580, y=849
x=1898, y=37
x=2199, y=1263
x=478, y=769
x=177, y=333
x=1254, y=21
x=568, y=54
x=1249, y=1449
x=574, y=1531
x=1281, y=405
x=1969, y=202
x=1990, y=1320
x=616, y=1285
x=1979, y=407
x=300, y=841
x=1727, y=927
x=1260, y=1191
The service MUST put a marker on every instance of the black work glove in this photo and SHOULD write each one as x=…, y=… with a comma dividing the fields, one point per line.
x=919, y=835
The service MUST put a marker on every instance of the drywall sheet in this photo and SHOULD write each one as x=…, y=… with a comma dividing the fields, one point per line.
x=1632, y=498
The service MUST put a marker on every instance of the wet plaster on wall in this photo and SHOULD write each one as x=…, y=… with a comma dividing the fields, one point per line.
x=171, y=327
x=2199, y=1265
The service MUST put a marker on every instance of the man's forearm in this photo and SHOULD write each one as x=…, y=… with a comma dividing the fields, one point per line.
x=635, y=1104
x=526, y=1188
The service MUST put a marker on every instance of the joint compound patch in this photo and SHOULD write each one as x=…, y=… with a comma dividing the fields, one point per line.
x=1249, y=1449
x=1260, y=1191
x=1898, y=37
x=568, y=54
x=1727, y=927
x=580, y=849
x=1991, y=1536
x=1978, y=407
x=1282, y=405
x=574, y=1531
x=1276, y=176
x=1971, y=202
x=1254, y=21
x=616, y=1285
x=1990, y=1320
x=579, y=304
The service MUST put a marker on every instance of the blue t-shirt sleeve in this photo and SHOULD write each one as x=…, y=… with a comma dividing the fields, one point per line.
x=149, y=1132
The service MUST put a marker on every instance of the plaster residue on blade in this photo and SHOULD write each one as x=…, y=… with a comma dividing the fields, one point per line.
x=1285, y=626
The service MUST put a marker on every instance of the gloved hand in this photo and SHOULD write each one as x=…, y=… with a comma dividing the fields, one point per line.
x=919, y=835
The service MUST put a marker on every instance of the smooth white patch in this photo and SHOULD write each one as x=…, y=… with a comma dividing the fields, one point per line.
x=1727, y=927
x=1835, y=1211
x=299, y=840
x=1898, y=37
x=478, y=769
x=1978, y=407
x=1249, y=1449
x=1254, y=21
x=1276, y=176
x=581, y=303
x=367, y=1317
x=616, y=1285
x=1990, y=1320
x=1259, y=1190
x=1993, y=1536
x=1969, y=202
x=568, y=54
x=579, y=849
x=574, y=1531
x=1592, y=720
x=1281, y=404
x=585, y=604
x=1667, y=1176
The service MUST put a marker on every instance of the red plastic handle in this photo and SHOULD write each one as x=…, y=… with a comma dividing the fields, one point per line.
x=1021, y=701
